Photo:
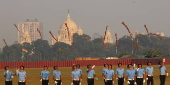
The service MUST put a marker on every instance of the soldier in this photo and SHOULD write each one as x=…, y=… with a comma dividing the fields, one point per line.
x=44, y=76
x=21, y=76
x=75, y=76
x=90, y=75
x=140, y=75
x=57, y=76
x=109, y=75
x=104, y=70
x=120, y=74
x=8, y=76
x=81, y=73
x=149, y=74
x=163, y=73
x=130, y=75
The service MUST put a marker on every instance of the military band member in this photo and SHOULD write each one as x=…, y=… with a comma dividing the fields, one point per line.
x=57, y=76
x=140, y=75
x=8, y=76
x=104, y=70
x=163, y=73
x=90, y=75
x=130, y=75
x=75, y=76
x=44, y=76
x=81, y=73
x=120, y=74
x=109, y=75
x=21, y=76
x=149, y=74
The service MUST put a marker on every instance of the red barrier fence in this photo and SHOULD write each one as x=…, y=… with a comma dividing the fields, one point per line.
x=40, y=64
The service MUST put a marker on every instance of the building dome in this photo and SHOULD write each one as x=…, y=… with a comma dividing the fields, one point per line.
x=71, y=25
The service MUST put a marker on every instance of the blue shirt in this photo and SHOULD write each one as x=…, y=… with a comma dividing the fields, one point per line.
x=120, y=72
x=162, y=69
x=109, y=74
x=104, y=69
x=57, y=74
x=90, y=73
x=75, y=74
x=130, y=74
x=80, y=71
x=45, y=74
x=8, y=75
x=149, y=70
x=21, y=75
x=140, y=72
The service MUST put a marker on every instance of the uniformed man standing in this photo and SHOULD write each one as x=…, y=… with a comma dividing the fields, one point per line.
x=80, y=71
x=109, y=75
x=140, y=75
x=130, y=75
x=57, y=76
x=149, y=74
x=104, y=70
x=21, y=76
x=75, y=76
x=8, y=76
x=120, y=74
x=90, y=75
x=163, y=73
x=44, y=76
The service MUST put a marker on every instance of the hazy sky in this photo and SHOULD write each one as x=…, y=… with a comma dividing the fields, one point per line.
x=91, y=15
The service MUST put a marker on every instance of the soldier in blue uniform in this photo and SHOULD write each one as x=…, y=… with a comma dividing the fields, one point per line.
x=81, y=73
x=21, y=76
x=44, y=76
x=130, y=75
x=120, y=74
x=57, y=76
x=140, y=75
x=75, y=76
x=149, y=74
x=109, y=75
x=90, y=75
x=8, y=76
x=103, y=71
x=163, y=73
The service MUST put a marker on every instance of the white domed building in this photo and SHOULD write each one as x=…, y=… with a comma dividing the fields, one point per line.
x=63, y=32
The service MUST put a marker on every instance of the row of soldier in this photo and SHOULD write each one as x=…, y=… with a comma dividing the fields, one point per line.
x=133, y=75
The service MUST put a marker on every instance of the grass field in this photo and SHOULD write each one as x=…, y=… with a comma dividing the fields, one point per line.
x=33, y=76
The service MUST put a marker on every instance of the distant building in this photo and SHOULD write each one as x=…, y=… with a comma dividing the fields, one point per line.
x=96, y=35
x=161, y=34
x=112, y=58
x=86, y=58
x=63, y=32
x=28, y=31
x=108, y=37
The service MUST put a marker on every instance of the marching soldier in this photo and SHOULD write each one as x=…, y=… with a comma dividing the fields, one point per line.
x=120, y=74
x=149, y=74
x=163, y=73
x=109, y=75
x=75, y=76
x=57, y=76
x=44, y=76
x=104, y=70
x=90, y=75
x=8, y=76
x=130, y=75
x=140, y=75
x=21, y=76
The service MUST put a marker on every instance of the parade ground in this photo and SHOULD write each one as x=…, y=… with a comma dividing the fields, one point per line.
x=33, y=76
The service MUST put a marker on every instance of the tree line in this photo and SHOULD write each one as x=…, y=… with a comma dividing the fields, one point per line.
x=40, y=50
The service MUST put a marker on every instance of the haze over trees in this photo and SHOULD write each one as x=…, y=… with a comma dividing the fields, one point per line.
x=40, y=50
